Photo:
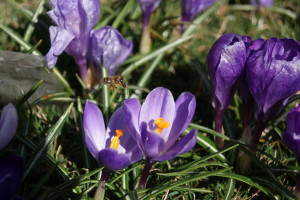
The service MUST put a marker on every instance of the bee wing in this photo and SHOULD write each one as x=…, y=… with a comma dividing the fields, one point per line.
x=19, y=72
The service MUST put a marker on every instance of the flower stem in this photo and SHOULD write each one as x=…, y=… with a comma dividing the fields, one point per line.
x=145, y=173
x=105, y=96
x=146, y=42
x=219, y=127
x=101, y=187
x=259, y=127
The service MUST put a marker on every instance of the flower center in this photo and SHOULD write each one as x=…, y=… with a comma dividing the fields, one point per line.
x=115, y=142
x=161, y=124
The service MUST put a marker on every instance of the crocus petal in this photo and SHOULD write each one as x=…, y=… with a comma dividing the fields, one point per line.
x=266, y=3
x=152, y=142
x=182, y=146
x=185, y=108
x=109, y=48
x=292, y=141
x=60, y=39
x=293, y=120
x=89, y=12
x=158, y=104
x=112, y=159
x=11, y=172
x=132, y=109
x=190, y=8
x=94, y=128
x=8, y=124
x=127, y=142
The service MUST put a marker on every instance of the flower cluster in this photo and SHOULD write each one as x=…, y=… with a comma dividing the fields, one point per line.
x=150, y=130
x=73, y=33
x=266, y=70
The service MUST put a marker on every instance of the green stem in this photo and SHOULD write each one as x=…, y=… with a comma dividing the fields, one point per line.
x=105, y=96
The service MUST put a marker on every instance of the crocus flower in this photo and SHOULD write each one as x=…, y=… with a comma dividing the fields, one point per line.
x=273, y=75
x=190, y=8
x=74, y=21
x=109, y=49
x=148, y=6
x=114, y=147
x=8, y=124
x=11, y=172
x=157, y=124
x=265, y=3
x=225, y=61
x=291, y=137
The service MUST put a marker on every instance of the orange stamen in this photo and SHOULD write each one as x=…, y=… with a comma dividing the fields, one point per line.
x=115, y=142
x=161, y=124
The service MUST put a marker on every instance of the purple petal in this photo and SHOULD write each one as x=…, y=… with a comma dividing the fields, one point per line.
x=132, y=109
x=8, y=124
x=182, y=146
x=89, y=13
x=293, y=120
x=158, y=104
x=60, y=39
x=266, y=3
x=185, y=108
x=94, y=128
x=11, y=172
x=190, y=8
x=152, y=142
x=128, y=144
x=109, y=48
x=112, y=159
x=292, y=141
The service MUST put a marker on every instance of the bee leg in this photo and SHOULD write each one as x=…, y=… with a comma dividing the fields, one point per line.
x=111, y=87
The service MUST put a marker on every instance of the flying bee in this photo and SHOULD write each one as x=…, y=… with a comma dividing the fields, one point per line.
x=113, y=82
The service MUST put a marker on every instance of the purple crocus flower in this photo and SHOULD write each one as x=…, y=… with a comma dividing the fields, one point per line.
x=190, y=8
x=265, y=3
x=148, y=6
x=109, y=49
x=114, y=147
x=11, y=172
x=157, y=124
x=225, y=61
x=273, y=75
x=291, y=137
x=74, y=21
x=8, y=124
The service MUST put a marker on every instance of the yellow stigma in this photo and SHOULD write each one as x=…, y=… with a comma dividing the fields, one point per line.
x=115, y=142
x=161, y=124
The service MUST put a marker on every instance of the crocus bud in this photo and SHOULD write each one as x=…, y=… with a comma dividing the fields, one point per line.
x=265, y=3
x=8, y=124
x=225, y=62
x=148, y=6
x=109, y=49
x=190, y=8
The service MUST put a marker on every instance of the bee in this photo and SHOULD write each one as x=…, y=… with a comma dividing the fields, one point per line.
x=113, y=82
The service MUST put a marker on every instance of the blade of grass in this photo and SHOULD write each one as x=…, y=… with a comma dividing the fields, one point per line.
x=52, y=133
x=121, y=15
x=28, y=94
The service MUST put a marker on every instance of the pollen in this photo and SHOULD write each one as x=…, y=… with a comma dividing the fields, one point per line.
x=115, y=142
x=161, y=124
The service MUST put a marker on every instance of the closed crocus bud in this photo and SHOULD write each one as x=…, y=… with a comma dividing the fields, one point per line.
x=113, y=147
x=190, y=8
x=225, y=62
x=74, y=21
x=8, y=124
x=265, y=3
x=109, y=48
x=273, y=75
